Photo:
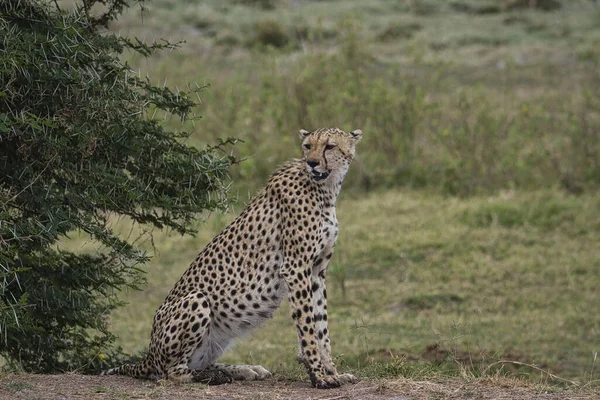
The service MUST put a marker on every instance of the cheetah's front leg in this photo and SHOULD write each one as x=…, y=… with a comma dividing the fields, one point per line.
x=319, y=292
x=300, y=298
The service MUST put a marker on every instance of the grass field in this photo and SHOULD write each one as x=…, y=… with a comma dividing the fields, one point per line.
x=470, y=221
x=464, y=96
x=423, y=284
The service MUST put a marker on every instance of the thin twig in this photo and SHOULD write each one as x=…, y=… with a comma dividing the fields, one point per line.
x=28, y=237
x=551, y=375
x=590, y=383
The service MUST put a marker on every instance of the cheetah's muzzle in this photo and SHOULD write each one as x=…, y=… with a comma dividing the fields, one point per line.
x=319, y=176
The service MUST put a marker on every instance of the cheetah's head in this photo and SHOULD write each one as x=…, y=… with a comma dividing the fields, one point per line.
x=328, y=152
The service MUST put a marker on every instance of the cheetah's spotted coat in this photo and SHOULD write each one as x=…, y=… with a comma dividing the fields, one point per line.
x=280, y=244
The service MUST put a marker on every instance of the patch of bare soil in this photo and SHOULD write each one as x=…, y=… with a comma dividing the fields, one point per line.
x=74, y=386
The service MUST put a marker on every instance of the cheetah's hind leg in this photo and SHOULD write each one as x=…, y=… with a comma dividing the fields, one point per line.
x=242, y=372
x=186, y=332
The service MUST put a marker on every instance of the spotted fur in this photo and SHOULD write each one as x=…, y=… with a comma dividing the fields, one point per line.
x=279, y=245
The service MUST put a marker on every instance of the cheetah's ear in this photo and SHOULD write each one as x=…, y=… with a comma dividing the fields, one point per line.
x=303, y=133
x=356, y=135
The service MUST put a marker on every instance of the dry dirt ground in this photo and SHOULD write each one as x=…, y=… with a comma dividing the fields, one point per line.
x=74, y=386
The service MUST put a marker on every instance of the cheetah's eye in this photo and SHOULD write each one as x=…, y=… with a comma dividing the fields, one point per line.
x=307, y=146
x=329, y=146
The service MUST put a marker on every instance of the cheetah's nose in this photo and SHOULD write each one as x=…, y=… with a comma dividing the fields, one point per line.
x=312, y=163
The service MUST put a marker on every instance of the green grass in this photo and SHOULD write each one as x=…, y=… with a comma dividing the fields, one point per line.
x=451, y=95
x=459, y=244
x=99, y=389
x=17, y=386
x=482, y=278
x=447, y=27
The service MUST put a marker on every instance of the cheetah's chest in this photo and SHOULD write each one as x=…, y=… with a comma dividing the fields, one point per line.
x=329, y=229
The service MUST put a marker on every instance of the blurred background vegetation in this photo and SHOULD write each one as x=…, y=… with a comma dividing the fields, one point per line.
x=464, y=96
x=470, y=219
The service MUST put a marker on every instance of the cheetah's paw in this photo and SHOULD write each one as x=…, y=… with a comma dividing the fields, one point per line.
x=346, y=378
x=333, y=381
x=249, y=373
x=326, y=382
x=262, y=372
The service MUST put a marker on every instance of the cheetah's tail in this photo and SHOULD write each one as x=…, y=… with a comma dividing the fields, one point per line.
x=140, y=370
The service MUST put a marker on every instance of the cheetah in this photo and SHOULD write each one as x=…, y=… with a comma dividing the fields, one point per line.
x=279, y=246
